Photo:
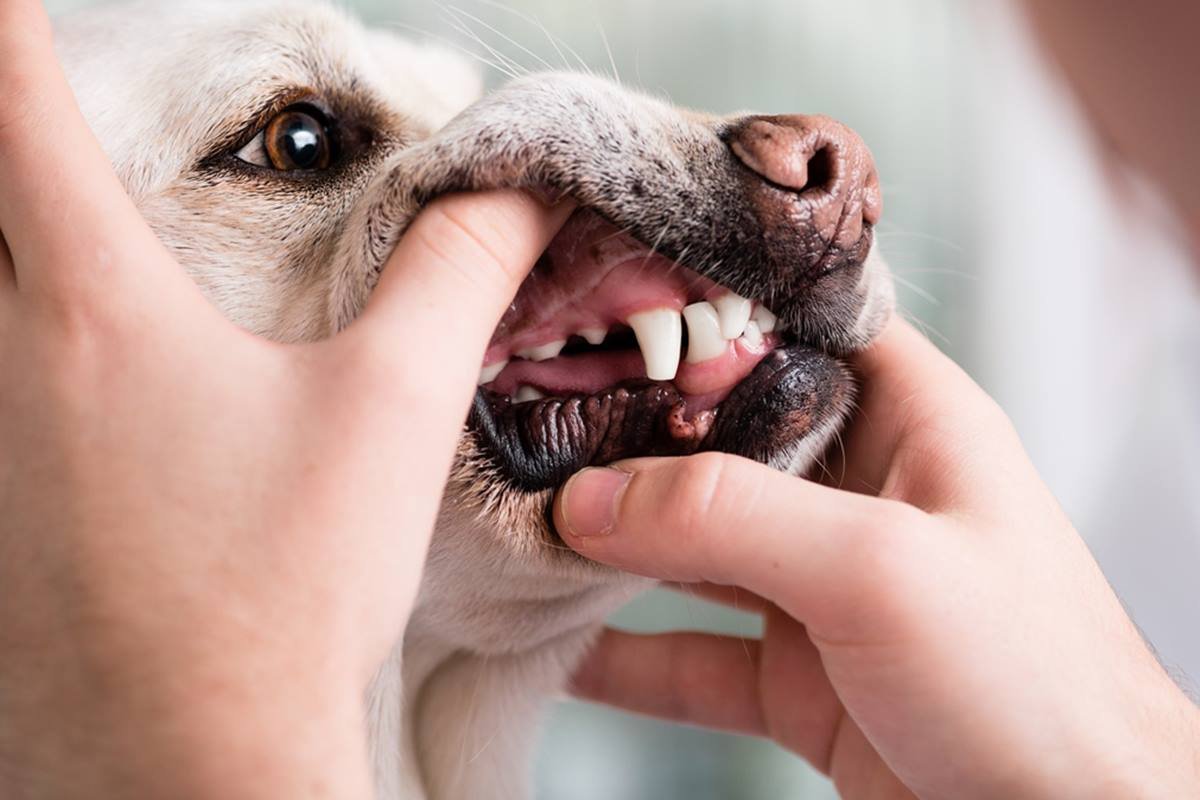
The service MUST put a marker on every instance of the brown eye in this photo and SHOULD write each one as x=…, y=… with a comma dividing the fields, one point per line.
x=297, y=140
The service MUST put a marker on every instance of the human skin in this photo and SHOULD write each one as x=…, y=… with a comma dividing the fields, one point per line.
x=189, y=513
x=935, y=628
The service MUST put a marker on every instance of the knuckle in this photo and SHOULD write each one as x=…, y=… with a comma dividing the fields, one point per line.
x=693, y=498
x=466, y=243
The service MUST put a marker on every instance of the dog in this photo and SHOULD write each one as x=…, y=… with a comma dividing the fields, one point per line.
x=279, y=150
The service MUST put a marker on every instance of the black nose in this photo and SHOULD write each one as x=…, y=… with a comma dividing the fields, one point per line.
x=822, y=172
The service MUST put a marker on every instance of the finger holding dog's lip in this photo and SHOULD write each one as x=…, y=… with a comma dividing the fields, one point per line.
x=460, y=261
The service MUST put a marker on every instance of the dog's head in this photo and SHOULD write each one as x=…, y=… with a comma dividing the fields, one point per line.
x=280, y=151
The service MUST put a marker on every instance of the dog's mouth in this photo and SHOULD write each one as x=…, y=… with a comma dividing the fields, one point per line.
x=611, y=350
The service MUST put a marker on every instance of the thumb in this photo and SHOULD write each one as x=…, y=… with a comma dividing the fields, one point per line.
x=456, y=270
x=722, y=519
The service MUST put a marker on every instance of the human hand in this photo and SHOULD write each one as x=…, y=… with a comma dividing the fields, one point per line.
x=939, y=629
x=208, y=541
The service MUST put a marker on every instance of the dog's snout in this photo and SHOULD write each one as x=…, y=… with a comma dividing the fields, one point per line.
x=818, y=161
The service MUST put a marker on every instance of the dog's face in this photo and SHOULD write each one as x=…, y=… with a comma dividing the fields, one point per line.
x=280, y=151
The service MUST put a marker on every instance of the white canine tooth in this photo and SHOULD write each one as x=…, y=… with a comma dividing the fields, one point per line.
x=526, y=393
x=593, y=335
x=659, y=334
x=765, y=319
x=489, y=373
x=543, y=352
x=704, y=333
x=753, y=336
x=734, y=311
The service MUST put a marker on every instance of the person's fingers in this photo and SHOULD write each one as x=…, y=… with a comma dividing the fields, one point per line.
x=695, y=678
x=803, y=712
x=64, y=213
x=454, y=272
x=924, y=430
x=813, y=550
x=773, y=687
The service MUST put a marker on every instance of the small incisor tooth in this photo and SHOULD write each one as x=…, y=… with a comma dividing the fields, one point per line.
x=753, y=336
x=489, y=373
x=526, y=393
x=704, y=333
x=659, y=334
x=543, y=352
x=593, y=336
x=765, y=319
x=734, y=311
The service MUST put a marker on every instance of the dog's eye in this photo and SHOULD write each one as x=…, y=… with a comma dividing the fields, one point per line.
x=295, y=139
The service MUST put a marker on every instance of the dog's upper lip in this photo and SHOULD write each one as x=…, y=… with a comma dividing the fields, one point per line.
x=596, y=283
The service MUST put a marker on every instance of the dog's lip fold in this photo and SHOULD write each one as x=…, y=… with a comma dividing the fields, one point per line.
x=538, y=445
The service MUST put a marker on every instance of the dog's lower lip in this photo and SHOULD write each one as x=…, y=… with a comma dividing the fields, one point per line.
x=538, y=445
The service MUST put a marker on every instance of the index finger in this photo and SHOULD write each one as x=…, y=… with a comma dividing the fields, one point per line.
x=63, y=211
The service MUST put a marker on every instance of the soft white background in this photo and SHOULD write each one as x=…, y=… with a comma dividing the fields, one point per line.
x=1031, y=257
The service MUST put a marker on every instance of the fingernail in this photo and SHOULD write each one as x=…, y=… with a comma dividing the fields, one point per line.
x=589, y=500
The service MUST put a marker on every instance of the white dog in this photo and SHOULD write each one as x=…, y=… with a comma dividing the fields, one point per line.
x=279, y=150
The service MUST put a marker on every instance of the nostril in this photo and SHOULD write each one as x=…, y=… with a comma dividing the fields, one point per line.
x=821, y=162
x=819, y=169
x=794, y=153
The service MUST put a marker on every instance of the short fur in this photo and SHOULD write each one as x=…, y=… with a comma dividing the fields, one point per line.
x=174, y=89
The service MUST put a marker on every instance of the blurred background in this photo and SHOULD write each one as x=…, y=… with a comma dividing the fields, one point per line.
x=1053, y=274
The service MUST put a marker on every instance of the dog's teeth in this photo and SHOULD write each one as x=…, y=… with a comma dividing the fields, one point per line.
x=593, y=335
x=753, y=336
x=543, y=352
x=734, y=311
x=704, y=333
x=659, y=334
x=765, y=319
x=527, y=393
x=489, y=373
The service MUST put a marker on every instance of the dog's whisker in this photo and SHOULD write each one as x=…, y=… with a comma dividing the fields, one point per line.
x=450, y=43
x=614, y=235
x=515, y=68
x=608, y=49
x=884, y=234
x=957, y=273
x=555, y=41
x=925, y=327
x=460, y=24
x=916, y=289
x=654, y=247
x=504, y=36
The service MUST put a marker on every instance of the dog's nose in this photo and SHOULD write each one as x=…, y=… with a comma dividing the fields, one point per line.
x=823, y=172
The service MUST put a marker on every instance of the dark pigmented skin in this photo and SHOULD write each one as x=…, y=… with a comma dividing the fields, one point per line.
x=793, y=392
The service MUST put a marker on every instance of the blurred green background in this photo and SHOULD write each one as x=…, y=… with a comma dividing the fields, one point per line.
x=1066, y=299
